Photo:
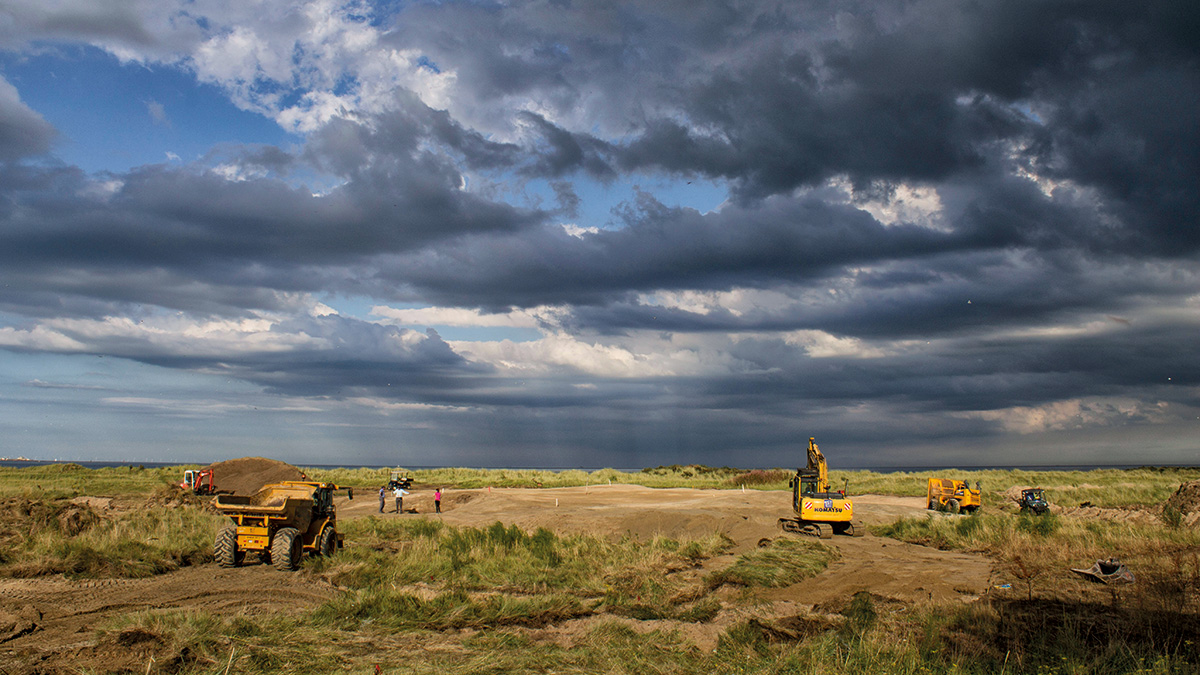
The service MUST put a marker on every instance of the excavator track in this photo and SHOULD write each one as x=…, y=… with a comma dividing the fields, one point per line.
x=818, y=530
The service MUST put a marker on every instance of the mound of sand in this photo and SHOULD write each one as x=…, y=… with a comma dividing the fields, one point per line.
x=245, y=475
x=1186, y=499
x=1014, y=492
x=22, y=519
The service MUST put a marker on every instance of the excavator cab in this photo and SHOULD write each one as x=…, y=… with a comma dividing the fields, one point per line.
x=819, y=511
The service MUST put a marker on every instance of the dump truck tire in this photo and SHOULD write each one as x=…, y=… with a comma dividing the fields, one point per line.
x=225, y=549
x=286, y=549
x=327, y=545
x=953, y=506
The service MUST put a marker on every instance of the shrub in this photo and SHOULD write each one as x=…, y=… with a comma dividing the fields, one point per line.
x=759, y=477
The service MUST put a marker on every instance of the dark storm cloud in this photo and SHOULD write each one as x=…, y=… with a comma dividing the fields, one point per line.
x=1061, y=139
x=922, y=90
x=885, y=96
x=665, y=247
x=160, y=230
x=357, y=358
x=23, y=132
x=561, y=152
x=326, y=356
x=89, y=21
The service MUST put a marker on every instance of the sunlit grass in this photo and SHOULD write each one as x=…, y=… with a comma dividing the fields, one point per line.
x=1100, y=487
x=782, y=563
x=134, y=544
x=414, y=573
x=52, y=481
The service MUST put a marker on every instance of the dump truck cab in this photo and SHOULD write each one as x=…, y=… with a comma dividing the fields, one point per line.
x=279, y=522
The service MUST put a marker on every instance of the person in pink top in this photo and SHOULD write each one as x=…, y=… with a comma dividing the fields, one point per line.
x=437, y=500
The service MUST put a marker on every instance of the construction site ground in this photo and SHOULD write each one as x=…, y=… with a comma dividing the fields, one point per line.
x=51, y=617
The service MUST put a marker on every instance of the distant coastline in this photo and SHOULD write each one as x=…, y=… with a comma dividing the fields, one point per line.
x=96, y=464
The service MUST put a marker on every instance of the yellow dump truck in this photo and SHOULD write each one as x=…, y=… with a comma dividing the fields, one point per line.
x=279, y=522
x=947, y=494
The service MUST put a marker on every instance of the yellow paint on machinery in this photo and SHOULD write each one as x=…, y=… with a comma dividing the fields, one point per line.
x=280, y=522
x=819, y=510
x=947, y=494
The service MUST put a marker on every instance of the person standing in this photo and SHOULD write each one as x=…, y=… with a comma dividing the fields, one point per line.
x=437, y=500
x=400, y=492
x=381, y=497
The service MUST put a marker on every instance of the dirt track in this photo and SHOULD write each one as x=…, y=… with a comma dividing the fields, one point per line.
x=885, y=567
x=62, y=612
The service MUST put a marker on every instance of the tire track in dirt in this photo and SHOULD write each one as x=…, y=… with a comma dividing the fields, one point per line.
x=68, y=610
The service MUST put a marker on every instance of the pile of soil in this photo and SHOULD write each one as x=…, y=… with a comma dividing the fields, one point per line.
x=244, y=476
x=1014, y=492
x=22, y=519
x=1186, y=501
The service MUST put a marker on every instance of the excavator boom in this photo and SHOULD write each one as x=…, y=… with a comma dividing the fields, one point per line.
x=816, y=462
x=818, y=510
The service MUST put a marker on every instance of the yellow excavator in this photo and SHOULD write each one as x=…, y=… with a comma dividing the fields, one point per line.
x=820, y=512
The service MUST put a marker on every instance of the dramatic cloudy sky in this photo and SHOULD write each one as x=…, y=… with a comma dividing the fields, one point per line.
x=564, y=233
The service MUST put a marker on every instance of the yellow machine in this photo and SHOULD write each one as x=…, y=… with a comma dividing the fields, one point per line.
x=820, y=512
x=280, y=522
x=947, y=494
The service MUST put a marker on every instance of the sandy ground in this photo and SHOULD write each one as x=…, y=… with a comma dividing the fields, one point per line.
x=46, y=618
x=885, y=567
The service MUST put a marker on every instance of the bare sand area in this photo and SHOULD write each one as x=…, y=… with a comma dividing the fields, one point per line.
x=885, y=567
x=52, y=617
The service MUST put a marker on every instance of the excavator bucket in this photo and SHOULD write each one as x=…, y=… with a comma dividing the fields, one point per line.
x=1110, y=571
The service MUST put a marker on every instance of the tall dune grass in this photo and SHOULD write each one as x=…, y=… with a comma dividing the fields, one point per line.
x=410, y=573
x=135, y=544
x=1101, y=487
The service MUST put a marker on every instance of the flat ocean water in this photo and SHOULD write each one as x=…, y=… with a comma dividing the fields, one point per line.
x=416, y=467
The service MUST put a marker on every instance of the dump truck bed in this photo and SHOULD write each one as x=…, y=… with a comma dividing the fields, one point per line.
x=291, y=502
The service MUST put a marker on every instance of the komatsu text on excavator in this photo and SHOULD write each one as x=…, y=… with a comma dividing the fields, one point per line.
x=820, y=512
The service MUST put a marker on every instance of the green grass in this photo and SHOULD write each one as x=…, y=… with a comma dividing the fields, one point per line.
x=58, y=537
x=1101, y=487
x=871, y=639
x=783, y=562
x=54, y=481
x=504, y=575
x=423, y=597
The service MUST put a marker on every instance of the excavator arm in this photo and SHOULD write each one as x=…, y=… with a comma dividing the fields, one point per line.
x=816, y=462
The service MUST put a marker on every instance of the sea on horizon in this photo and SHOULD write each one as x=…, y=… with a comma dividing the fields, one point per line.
x=96, y=464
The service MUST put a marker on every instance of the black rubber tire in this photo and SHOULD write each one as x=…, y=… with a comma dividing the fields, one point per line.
x=286, y=549
x=225, y=548
x=933, y=505
x=327, y=544
x=952, y=506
